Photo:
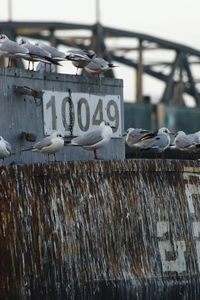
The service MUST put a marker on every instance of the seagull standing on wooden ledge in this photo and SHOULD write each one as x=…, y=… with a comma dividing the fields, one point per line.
x=162, y=141
x=95, y=139
x=11, y=49
x=139, y=139
x=36, y=53
x=49, y=145
x=80, y=58
x=98, y=65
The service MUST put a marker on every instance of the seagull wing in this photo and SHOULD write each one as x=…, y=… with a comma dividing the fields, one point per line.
x=13, y=47
x=161, y=141
x=88, y=139
x=43, y=143
x=8, y=146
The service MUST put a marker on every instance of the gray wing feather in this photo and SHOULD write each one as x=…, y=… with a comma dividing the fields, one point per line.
x=43, y=143
x=185, y=142
x=88, y=139
x=13, y=47
x=161, y=142
x=8, y=146
x=136, y=135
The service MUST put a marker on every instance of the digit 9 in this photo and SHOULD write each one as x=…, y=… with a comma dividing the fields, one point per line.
x=113, y=113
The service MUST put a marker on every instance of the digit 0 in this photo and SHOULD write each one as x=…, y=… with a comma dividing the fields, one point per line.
x=83, y=102
x=67, y=118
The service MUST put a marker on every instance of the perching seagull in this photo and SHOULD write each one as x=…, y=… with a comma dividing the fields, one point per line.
x=95, y=139
x=80, y=58
x=49, y=145
x=11, y=49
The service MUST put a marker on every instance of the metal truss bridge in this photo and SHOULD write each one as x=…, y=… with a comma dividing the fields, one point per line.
x=176, y=65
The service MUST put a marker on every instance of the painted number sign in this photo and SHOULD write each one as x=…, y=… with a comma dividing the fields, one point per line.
x=80, y=112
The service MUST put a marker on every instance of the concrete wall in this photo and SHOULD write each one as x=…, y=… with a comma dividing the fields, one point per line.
x=124, y=224
x=22, y=113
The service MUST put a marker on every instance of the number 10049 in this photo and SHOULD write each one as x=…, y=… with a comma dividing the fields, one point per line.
x=80, y=112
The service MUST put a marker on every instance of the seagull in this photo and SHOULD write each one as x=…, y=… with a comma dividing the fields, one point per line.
x=80, y=58
x=162, y=141
x=187, y=142
x=11, y=49
x=94, y=139
x=36, y=53
x=98, y=65
x=49, y=145
x=139, y=138
x=55, y=53
x=5, y=148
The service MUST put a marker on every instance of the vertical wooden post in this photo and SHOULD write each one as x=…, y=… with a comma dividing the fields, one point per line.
x=139, y=71
x=160, y=115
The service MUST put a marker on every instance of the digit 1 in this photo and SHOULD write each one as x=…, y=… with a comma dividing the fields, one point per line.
x=52, y=105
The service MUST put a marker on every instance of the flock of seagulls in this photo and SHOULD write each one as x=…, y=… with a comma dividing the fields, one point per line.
x=53, y=143
x=137, y=139
x=140, y=140
x=48, y=56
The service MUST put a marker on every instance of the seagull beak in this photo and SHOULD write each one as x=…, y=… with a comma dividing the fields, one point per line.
x=172, y=133
x=124, y=134
x=113, y=126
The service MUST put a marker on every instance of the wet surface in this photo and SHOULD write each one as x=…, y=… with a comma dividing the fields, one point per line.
x=100, y=229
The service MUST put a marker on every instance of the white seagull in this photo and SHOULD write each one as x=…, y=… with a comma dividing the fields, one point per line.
x=49, y=145
x=94, y=139
x=80, y=58
x=162, y=141
x=55, y=53
x=141, y=138
x=11, y=49
x=36, y=53
x=138, y=138
x=5, y=148
x=98, y=65
x=185, y=141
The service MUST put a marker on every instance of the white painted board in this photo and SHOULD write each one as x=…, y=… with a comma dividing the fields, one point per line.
x=78, y=113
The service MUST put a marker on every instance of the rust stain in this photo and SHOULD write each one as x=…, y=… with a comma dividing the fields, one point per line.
x=69, y=223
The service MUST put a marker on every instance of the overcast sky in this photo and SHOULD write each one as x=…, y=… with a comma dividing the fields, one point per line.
x=175, y=20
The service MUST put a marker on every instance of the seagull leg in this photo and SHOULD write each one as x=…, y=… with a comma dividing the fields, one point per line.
x=32, y=66
x=8, y=62
x=95, y=154
x=76, y=71
x=163, y=155
x=28, y=65
x=54, y=157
